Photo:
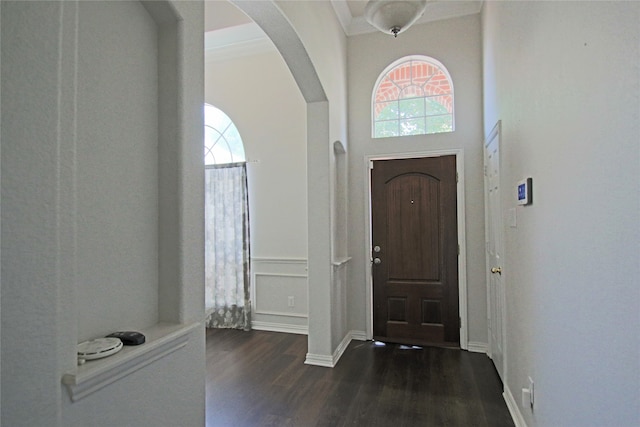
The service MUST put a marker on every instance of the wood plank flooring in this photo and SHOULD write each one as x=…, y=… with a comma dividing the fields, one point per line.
x=259, y=378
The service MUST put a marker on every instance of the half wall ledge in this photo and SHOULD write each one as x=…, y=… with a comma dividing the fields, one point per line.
x=162, y=339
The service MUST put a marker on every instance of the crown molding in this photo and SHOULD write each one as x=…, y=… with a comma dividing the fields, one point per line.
x=249, y=39
x=343, y=13
x=235, y=42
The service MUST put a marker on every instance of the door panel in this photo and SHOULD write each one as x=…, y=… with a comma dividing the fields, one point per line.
x=415, y=271
x=494, y=226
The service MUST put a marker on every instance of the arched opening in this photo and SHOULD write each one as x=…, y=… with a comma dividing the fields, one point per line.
x=246, y=76
x=278, y=27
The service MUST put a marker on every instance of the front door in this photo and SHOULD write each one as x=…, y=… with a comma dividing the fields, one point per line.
x=415, y=251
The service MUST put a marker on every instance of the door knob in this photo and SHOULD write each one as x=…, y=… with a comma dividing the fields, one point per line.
x=495, y=270
x=377, y=261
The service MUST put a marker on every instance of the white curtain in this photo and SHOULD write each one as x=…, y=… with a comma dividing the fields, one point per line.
x=227, y=246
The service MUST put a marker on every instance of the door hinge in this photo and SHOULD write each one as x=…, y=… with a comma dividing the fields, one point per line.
x=460, y=322
x=370, y=165
x=458, y=249
x=457, y=177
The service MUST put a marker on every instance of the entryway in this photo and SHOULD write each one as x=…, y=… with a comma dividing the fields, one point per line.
x=414, y=232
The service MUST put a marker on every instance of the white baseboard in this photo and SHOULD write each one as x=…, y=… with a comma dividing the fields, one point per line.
x=319, y=360
x=279, y=327
x=358, y=335
x=337, y=354
x=477, y=347
x=331, y=361
x=514, y=410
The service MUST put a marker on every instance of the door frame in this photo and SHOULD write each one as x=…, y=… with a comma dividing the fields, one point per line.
x=462, y=258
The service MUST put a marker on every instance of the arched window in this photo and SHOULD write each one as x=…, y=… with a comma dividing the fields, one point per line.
x=222, y=142
x=413, y=96
x=226, y=213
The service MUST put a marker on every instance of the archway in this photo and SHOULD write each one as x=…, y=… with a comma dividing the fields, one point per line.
x=272, y=21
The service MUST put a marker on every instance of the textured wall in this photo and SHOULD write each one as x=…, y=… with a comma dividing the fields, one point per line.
x=116, y=149
x=572, y=270
x=82, y=200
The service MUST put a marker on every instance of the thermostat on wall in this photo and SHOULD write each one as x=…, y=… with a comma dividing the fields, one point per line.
x=524, y=192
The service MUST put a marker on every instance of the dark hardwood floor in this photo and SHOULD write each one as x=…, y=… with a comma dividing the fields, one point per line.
x=259, y=378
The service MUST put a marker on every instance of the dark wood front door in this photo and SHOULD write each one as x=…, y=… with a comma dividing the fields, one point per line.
x=415, y=251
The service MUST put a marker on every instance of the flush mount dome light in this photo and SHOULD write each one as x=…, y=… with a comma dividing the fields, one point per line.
x=394, y=16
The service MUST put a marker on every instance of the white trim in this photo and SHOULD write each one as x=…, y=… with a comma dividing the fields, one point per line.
x=279, y=327
x=339, y=351
x=330, y=361
x=462, y=240
x=280, y=313
x=343, y=13
x=235, y=42
x=303, y=276
x=514, y=410
x=275, y=260
x=341, y=262
x=254, y=286
x=209, y=311
x=319, y=360
x=477, y=347
x=358, y=335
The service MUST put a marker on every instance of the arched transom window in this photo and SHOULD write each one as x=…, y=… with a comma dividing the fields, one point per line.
x=222, y=141
x=413, y=96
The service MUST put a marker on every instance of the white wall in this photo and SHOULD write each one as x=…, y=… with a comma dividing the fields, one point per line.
x=82, y=227
x=455, y=43
x=115, y=227
x=261, y=97
x=564, y=79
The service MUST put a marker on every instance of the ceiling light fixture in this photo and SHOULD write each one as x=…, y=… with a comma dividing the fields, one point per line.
x=394, y=16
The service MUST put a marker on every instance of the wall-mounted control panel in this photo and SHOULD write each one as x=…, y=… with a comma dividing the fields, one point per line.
x=524, y=192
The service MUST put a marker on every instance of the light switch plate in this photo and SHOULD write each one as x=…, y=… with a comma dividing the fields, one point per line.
x=513, y=218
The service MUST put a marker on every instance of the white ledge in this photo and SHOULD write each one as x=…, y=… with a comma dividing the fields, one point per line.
x=341, y=261
x=161, y=340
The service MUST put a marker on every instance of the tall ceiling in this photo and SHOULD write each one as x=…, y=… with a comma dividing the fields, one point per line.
x=231, y=33
x=221, y=14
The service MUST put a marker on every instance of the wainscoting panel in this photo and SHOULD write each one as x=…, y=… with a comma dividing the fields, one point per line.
x=279, y=294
